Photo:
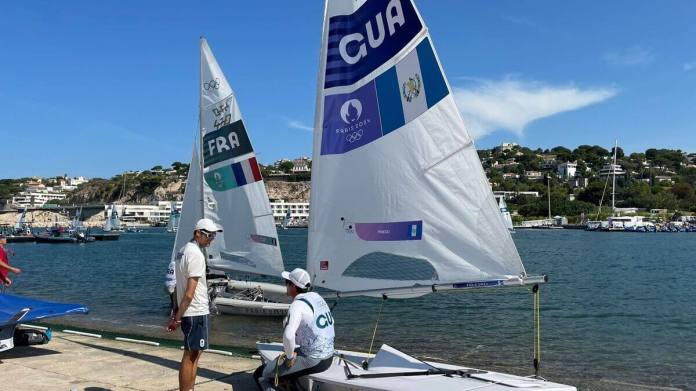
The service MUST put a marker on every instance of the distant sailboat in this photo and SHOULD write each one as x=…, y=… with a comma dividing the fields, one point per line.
x=112, y=226
x=505, y=214
x=173, y=223
x=113, y=222
x=21, y=225
x=400, y=203
x=226, y=186
x=21, y=231
x=286, y=220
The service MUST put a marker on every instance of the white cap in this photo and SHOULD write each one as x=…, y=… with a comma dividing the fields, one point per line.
x=208, y=225
x=299, y=277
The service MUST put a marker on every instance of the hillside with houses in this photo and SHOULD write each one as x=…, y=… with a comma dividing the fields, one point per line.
x=580, y=181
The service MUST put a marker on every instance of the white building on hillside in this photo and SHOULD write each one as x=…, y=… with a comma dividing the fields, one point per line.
x=144, y=214
x=612, y=169
x=301, y=164
x=298, y=210
x=36, y=197
x=567, y=169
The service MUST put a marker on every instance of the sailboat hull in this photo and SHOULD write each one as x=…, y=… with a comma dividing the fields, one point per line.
x=391, y=361
x=250, y=298
x=230, y=306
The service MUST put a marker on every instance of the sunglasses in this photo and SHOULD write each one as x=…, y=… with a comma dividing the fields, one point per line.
x=208, y=235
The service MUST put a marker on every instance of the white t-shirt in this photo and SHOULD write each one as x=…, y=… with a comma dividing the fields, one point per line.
x=190, y=262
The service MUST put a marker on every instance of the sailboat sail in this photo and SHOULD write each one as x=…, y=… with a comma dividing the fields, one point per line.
x=76, y=223
x=235, y=195
x=505, y=213
x=173, y=223
x=399, y=197
x=21, y=220
x=113, y=223
x=191, y=210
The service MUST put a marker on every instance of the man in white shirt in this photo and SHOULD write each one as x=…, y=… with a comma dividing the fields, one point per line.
x=192, y=297
x=310, y=325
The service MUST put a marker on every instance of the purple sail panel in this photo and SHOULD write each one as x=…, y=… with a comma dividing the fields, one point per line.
x=400, y=230
x=264, y=239
x=350, y=120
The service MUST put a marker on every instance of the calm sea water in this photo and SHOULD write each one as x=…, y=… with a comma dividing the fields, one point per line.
x=620, y=307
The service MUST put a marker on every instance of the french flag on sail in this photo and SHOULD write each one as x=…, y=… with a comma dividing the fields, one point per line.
x=410, y=88
x=246, y=171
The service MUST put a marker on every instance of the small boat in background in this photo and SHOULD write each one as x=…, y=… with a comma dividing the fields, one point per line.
x=58, y=234
x=106, y=236
x=21, y=231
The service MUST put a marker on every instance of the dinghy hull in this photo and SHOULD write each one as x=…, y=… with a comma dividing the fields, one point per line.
x=391, y=361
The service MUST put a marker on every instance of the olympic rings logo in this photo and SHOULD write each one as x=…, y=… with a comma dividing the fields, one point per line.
x=212, y=85
x=355, y=136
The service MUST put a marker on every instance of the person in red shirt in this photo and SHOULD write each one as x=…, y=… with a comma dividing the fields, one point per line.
x=5, y=267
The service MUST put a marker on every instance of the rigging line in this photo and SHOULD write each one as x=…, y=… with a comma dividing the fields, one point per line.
x=599, y=210
x=379, y=315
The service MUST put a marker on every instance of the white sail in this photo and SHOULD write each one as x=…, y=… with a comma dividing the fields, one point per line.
x=21, y=221
x=191, y=210
x=107, y=222
x=115, y=219
x=76, y=223
x=173, y=223
x=113, y=222
x=505, y=213
x=235, y=195
x=399, y=198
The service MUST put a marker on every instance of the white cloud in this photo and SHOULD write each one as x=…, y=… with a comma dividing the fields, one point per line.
x=512, y=104
x=689, y=66
x=295, y=124
x=631, y=57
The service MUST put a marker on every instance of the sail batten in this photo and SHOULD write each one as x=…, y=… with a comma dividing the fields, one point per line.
x=396, y=179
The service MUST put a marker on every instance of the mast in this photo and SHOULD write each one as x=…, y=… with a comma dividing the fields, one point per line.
x=200, y=124
x=548, y=193
x=613, y=180
x=200, y=139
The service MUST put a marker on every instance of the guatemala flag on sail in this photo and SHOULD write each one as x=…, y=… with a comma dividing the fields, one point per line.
x=393, y=99
x=410, y=88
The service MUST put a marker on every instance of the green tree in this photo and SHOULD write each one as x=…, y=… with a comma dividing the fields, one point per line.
x=286, y=166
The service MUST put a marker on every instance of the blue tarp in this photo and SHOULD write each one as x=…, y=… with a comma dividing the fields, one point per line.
x=11, y=305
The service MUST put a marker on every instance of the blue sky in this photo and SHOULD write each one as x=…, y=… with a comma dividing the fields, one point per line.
x=98, y=87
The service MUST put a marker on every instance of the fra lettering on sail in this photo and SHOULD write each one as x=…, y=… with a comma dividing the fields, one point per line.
x=225, y=143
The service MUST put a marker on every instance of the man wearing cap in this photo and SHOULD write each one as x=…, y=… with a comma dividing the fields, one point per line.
x=193, y=313
x=5, y=267
x=310, y=325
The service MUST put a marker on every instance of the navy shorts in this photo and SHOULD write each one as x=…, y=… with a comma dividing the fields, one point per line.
x=195, y=329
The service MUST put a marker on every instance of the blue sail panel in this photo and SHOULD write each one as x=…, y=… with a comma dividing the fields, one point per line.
x=38, y=309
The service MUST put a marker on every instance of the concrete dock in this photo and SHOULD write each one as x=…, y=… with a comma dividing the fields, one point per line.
x=74, y=362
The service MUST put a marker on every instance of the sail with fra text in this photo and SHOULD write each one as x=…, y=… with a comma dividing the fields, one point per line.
x=234, y=193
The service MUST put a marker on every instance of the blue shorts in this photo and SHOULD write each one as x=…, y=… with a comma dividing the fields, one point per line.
x=195, y=329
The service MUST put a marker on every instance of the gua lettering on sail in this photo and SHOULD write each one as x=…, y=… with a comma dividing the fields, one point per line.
x=360, y=42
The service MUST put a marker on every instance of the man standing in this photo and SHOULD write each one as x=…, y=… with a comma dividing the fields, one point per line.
x=5, y=267
x=170, y=286
x=192, y=297
x=309, y=324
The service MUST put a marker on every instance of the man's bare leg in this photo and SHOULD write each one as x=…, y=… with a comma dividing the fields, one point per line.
x=188, y=369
